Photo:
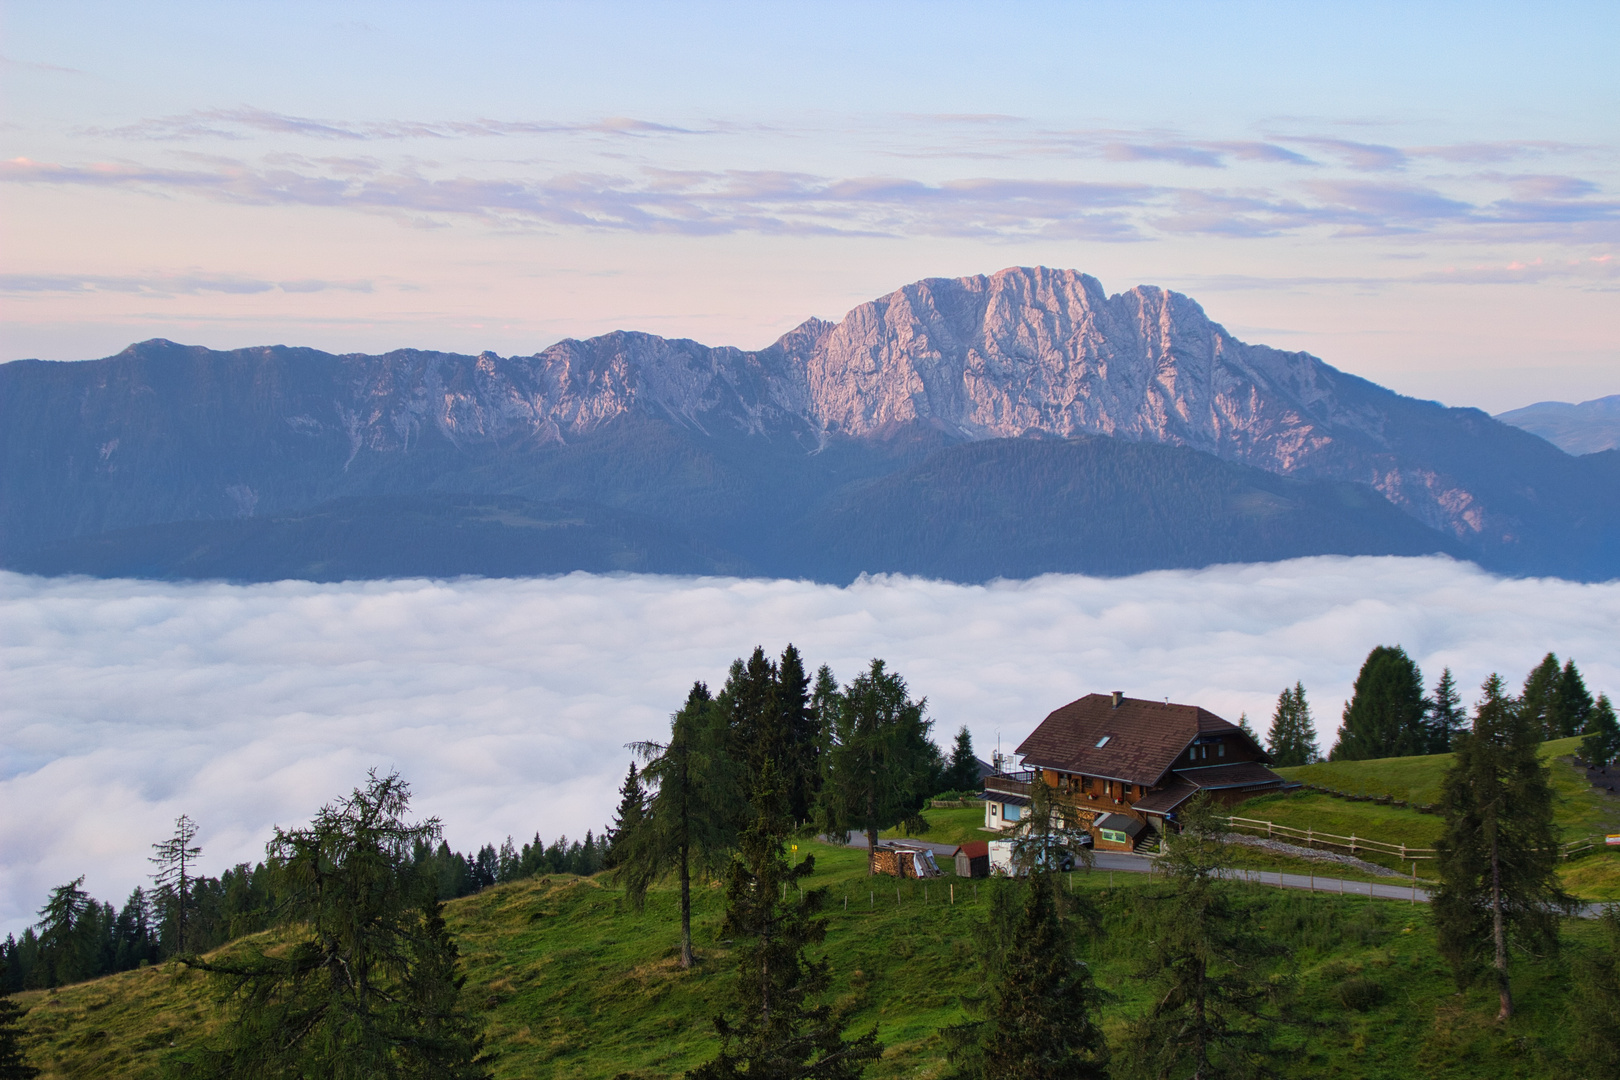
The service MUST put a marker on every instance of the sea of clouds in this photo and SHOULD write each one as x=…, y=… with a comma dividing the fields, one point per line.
x=507, y=703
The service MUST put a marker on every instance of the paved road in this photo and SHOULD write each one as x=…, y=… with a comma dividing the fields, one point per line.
x=1141, y=864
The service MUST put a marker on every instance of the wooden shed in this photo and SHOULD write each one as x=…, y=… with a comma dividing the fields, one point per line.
x=973, y=859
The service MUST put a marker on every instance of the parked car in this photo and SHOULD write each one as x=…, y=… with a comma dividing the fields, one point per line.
x=1005, y=854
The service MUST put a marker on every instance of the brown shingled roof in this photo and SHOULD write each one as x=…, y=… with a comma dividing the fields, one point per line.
x=1236, y=774
x=1144, y=737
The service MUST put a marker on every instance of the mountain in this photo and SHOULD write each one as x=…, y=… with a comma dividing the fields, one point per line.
x=1587, y=428
x=1006, y=424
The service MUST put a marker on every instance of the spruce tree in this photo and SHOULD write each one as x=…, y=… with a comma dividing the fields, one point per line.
x=963, y=774
x=368, y=986
x=1292, y=738
x=1538, y=701
x=13, y=1065
x=801, y=767
x=779, y=1030
x=881, y=762
x=175, y=859
x=1596, y=1002
x=1386, y=713
x=1572, y=702
x=1498, y=855
x=1040, y=1022
x=1209, y=1014
x=632, y=811
x=1602, y=743
x=690, y=823
x=1447, y=717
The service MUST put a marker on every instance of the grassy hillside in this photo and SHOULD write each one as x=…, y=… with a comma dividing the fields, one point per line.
x=1579, y=810
x=574, y=984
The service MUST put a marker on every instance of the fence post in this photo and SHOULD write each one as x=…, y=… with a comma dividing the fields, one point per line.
x=1352, y=843
x=1309, y=838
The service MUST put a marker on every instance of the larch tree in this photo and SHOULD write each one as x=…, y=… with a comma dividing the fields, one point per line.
x=1447, y=717
x=692, y=808
x=1386, y=713
x=66, y=936
x=1291, y=740
x=1538, y=699
x=176, y=859
x=1602, y=743
x=1498, y=856
x=779, y=1028
x=1211, y=1010
x=369, y=985
x=881, y=762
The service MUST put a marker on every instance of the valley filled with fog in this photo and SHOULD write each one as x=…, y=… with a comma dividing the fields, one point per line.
x=507, y=703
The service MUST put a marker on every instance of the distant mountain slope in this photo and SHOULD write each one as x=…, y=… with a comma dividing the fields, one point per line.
x=389, y=537
x=969, y=512
x=1585, y=428
x=1016, y=508
x=724, y=446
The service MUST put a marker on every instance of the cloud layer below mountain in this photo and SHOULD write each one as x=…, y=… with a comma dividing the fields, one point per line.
x=507, y=704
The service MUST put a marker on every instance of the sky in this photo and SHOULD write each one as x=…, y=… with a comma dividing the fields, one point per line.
x=1425, y=195
x=507, y=704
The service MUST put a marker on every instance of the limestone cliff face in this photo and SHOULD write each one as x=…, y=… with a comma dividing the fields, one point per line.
x=1023, y=352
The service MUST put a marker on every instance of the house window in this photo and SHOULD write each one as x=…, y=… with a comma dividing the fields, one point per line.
x=1220, y=749
x=1102, y=742
x=1114, y=836
x=1011, y=813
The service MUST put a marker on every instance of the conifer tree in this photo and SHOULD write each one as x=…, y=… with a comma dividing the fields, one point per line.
x=1538, y=700
x=1596, y=1002
x=1292, y=738
x=369, y=986
x=963, y=774
x=1385, y=715
x=779, y=1030
x=692, y=810
x=1040, y=1022
x=1572, y=702
x=881, y=762
x=1447, y=717
x=13, y=1065
x=175, y=859
x=1209, y=1016
x=632, y=811
x=1602, y=743
x=801, y=768
x=1498, y=855
x=66, y=936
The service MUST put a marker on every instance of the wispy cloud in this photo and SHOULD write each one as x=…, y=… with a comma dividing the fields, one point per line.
x=508, y=703
x=169, y=284
x=246, y=122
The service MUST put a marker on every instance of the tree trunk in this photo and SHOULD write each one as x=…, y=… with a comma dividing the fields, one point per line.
x=686, y=910
x=871, y=828
x=1499, y=932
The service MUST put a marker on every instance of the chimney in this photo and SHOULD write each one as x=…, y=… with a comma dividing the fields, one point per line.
x=1119, y=696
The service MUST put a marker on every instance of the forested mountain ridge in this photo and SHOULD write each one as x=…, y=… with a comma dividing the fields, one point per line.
x=730, y=445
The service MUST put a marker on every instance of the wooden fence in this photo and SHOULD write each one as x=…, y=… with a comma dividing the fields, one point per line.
x=1312, y=838
x=1354, y=843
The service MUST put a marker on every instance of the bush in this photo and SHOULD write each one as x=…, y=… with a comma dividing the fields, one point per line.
x=1360, y=993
